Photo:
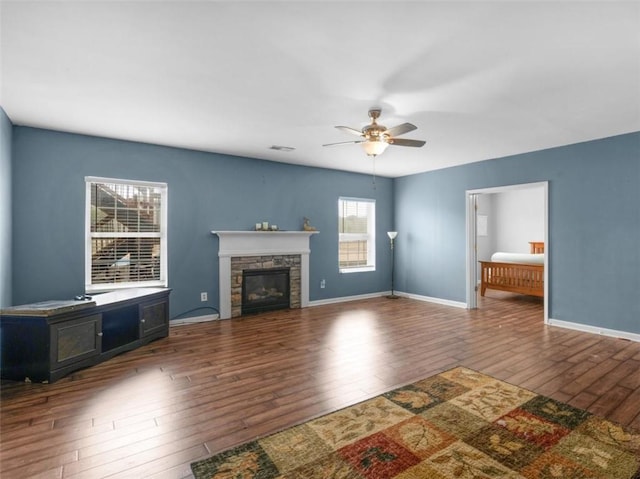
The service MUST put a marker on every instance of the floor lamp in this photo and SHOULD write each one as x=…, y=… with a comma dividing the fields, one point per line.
x=392, y=236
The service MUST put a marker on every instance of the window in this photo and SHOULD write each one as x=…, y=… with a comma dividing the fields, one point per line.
x=126, y=234
x=356, y=235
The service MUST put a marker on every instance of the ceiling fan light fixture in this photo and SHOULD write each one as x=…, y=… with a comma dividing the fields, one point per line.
x=375, y=138
x=374, y=147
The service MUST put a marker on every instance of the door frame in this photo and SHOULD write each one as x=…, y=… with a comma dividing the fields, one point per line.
x=471, y=239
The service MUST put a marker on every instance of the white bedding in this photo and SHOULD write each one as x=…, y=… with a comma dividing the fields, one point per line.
x=522, y=258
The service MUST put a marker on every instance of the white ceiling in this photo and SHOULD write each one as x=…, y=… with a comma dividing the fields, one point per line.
x=480, y=79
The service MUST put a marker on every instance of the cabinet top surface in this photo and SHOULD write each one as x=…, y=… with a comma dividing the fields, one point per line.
x=54, y=307
x=126, y=294
x=47, y=308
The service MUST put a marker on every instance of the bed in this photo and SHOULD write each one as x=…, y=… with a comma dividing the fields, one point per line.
x=515, y=272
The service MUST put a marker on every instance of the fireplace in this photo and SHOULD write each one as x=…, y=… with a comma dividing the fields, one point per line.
x=244, y=250
x=265, y=290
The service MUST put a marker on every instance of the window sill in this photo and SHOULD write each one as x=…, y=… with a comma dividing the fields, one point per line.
x=108, y=287
x=364, y=269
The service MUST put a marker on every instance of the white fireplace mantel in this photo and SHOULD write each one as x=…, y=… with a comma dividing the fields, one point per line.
x=261, y=243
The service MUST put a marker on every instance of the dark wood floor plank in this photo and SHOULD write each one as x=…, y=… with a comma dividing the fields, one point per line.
x=589, y=377
x=610, y=401
x=627, y=411
x=210, y=386
x=618, y=376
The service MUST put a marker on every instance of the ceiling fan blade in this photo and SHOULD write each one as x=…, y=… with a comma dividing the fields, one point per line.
x=406, y=142
x=347, y=129
x=401, y=129
x=343, y=143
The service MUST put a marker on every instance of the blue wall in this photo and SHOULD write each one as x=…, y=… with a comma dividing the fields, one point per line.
x=594, y=219
x=206, y=192
x=594, y=228
x=5, y=210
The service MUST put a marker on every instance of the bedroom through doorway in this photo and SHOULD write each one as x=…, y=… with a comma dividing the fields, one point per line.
x=507, y=246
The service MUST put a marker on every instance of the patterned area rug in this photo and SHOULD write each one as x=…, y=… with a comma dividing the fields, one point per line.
x=458, y=424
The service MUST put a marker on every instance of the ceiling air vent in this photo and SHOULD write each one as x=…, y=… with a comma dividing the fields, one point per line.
x=281, y=148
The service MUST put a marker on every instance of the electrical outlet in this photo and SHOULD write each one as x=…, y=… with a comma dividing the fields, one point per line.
x=322, y=284
x=203, y=296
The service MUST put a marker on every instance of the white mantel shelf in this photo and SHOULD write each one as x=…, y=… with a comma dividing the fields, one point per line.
x=254, y=243
x=261, y=243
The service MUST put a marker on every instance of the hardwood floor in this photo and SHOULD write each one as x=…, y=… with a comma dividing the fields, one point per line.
x=150, y=412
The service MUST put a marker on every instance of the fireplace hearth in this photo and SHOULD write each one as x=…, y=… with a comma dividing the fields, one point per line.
x=265, y=290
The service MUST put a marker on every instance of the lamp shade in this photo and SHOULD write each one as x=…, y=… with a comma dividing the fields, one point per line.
x=392, y=234
x=374, y=148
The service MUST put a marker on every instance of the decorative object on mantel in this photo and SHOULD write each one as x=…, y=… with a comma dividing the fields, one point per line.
x=306, y=226
x=265, y=226
x=392, y=236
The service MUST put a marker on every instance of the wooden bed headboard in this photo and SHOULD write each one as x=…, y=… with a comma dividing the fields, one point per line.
x=537, y=247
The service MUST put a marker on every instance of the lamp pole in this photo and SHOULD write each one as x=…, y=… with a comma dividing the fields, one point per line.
x=392, y=236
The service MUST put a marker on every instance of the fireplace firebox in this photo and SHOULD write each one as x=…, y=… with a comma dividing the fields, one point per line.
x=265, y=290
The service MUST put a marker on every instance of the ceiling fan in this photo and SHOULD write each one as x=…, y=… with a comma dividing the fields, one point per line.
x=376, y=138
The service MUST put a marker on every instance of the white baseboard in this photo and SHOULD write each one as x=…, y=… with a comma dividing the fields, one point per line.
x=193, y=320
x=345, y=299
x=595, y=330
x=429, y=299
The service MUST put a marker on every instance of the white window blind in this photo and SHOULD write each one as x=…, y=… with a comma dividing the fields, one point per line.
x=356, y=234
x=126, y=240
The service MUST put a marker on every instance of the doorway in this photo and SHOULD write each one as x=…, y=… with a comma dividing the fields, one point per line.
x=476, y=222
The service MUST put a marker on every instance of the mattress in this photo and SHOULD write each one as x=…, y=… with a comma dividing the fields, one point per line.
x=520, y=258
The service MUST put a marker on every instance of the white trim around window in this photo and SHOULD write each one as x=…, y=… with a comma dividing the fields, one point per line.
x=125, y=234
x=356, y=235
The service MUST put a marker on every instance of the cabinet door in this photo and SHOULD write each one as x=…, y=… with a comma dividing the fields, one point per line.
x=75, y=340
x=154, y=318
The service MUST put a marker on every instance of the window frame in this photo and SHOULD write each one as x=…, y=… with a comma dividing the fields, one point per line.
x=369, y=236
x=163, y=282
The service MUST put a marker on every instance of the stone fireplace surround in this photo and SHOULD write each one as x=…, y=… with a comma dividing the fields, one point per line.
x=262, y=249
x=278, y=261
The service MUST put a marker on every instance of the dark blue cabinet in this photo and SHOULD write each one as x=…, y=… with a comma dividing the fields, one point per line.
x=45, y=341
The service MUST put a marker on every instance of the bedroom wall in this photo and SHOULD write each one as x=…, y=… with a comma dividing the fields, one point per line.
x=594, y=228
x=206, y=192
x=486, y=243
x=5, y=209
x=518, y=219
